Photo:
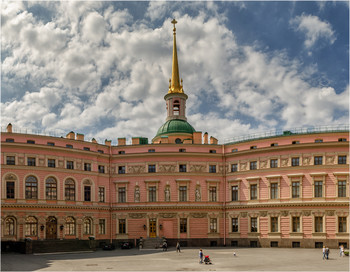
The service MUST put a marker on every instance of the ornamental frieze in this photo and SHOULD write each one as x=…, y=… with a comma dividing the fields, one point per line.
x=197, y=168
x=263, y=164
x=330, y=213
x=284, y=213
x=136, y=169
x=243, y=166
x=244, y=214
x=21, y=161
x=284, y=162
x=306, y=160
x=10, y=177
x=330, y=159
x=306, y=213
x=167, y=215
x=137, y=215
x=263, y=213
x=41, y=162
x=198, y=215
x=170, y=168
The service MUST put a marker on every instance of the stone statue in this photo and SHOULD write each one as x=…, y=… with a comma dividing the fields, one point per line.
x=167, y=193
x=198, y=194
x=137, y=194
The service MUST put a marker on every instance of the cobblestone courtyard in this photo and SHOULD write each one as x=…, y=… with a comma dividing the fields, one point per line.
x=247, y=259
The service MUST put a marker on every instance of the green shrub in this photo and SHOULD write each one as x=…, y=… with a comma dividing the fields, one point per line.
x=346, y=253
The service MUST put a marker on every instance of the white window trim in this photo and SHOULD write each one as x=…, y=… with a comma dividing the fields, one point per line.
x=253, y=181
x=92, y=185
x=212, y=216
x=213, y=183
x=274, y=179
x=126, y=225
x=296, y=178
x=314, y=233
x=319, y=177
x=26, y=156
x=15, y=180
x=278, y=224
x=58, y=184
x=250, y=224
x=231, y=216
x=183, y=182
x=291, y=223
x=235, y=182
x=340, y=176
x=121, y=184
x=152, y=183
x=347, y=225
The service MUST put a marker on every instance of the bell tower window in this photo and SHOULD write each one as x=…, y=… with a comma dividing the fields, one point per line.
x=176, y=107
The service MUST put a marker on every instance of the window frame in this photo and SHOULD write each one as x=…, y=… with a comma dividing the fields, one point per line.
x=33, y=193
x=10, y=161
x=69, y=189
x=51, y=188
x=253, y=165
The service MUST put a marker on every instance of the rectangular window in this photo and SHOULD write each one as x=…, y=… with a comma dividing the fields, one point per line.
x=234, y=167
x=295, y=161
x=101, y=169
x=318, y=160
x=318, y=141
x=70, y=165
x=182, y=168
x=183, y=225
x=295, y=142
x=212, y=151
x=235, y=224
x=121, y=152
x=182, y=150
x=51, y=163
x=234, y=150
x=253, y=191
x=122, y=226
x=151, y=168
x=318, y=224
x=212, y=168
x=212, y=193
x=9, y=140
x=87, y=166
x=152, y=194
x=100, y=151
x=274, y=144
x=50, y=143
x=318, y=188
x=10, y=189
x=341, y=188
x=151, y=150
x=274, y=163
x=30, y=142
x=342, y=140
x=87, y=193
x=253, y=165
x=253, y=147
x=102, y=226
x=31, y=161
x=10, y=160
x=341, y=224
x=69, y=146
x=122, y=195
x=183, y=193
x=213, y=225
x=121, y=170
x=274, y=224
x=341, y=159
x=235, y=193
x=86, y=148
x=295, y=224
x=295, y=189
x=253, y=224
x=101, y=194
x=274, y=190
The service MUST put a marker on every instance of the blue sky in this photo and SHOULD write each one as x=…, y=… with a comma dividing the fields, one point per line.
x=102, y=68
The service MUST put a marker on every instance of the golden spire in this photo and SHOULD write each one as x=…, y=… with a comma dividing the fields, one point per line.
x=174, y=86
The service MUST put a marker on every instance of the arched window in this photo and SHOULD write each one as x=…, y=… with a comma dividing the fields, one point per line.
x=176, y=107
x=70, y=226
x=178, y=141
x=31, y=187
x=51, y=188
x=31, y=226
x=87, y=225
x=69, y=188
x=10, y=226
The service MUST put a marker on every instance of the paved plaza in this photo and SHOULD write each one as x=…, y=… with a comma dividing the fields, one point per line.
x=247, y=259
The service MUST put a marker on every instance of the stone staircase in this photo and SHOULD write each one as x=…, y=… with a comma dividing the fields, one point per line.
x=152, y=243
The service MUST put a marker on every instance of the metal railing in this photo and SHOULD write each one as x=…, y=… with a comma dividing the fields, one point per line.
x=280, y=132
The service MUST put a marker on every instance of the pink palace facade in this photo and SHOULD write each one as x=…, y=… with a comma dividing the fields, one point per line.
x=285, y=190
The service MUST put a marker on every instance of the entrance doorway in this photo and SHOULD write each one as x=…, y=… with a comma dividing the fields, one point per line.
x=51, y=228
x=152, y=228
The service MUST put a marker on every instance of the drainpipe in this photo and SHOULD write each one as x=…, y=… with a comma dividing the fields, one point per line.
x=224, y=203
x=110, y=195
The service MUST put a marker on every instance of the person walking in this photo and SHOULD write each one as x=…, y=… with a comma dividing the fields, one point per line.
x=200, y=256
x=327, y=252
x=165, y=246
x=341, y=251
x=324, y=252
x=178, y=247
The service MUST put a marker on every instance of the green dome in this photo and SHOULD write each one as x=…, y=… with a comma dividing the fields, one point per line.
x=175, y=126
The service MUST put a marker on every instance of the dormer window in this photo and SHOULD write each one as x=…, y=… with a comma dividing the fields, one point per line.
x=176, y=107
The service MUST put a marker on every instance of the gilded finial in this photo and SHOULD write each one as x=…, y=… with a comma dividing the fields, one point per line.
x=175, y=86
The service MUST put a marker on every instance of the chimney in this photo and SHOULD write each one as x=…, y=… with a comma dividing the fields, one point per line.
x=71, y=135
x=80, y=137
x=108, y=142
x=135, y=141
x=197, y=137
x=206, y=138
x=213, y=140
x=9, y=128
x=121, y=141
